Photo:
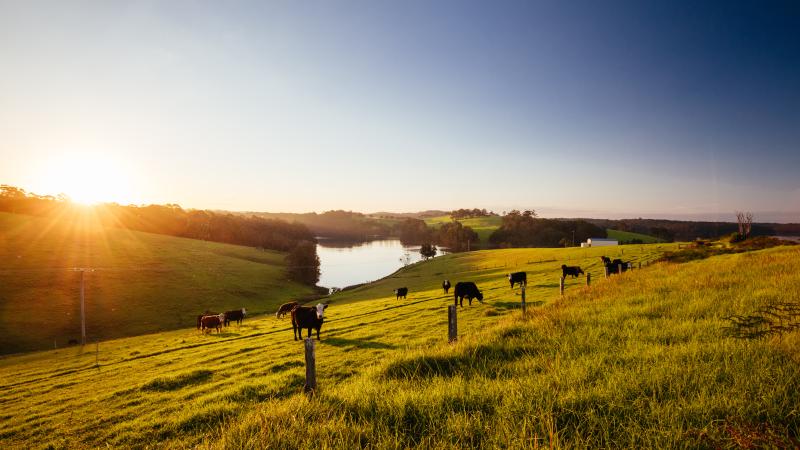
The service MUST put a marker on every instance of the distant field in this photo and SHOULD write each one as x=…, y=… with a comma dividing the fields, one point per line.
x=484, y=226
x=143, y=282
x=627, y=236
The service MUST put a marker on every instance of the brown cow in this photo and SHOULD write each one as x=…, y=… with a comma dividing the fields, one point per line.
x=209, y=322
x=307, y=317
x=285, y=308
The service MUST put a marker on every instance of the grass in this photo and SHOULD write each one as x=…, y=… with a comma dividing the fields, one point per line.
x=484, y=226
x=638, y=360
x=143, y=282
x=628, y=236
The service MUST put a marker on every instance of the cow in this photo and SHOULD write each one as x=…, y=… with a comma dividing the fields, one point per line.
x=400, y=292
x=209, y=322
x=207, y=313
x=446, y=286
x=237, y=315
x=570, y=270
x=307, y=317
x=613, y=266
x=285, y=308
x=468, y=290
x=518, y=277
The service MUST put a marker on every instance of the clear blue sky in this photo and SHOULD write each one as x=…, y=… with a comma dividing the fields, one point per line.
x=607, y=109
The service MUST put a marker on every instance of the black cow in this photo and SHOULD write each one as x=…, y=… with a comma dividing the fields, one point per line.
x=613, y=266
x=400, y=292
x=468, y=290
x=307, y=317
x=570, y=270
x=235, y=315
x=446, y=286
x=518, y=277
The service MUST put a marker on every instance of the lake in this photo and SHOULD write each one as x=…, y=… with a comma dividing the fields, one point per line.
x=346, y=263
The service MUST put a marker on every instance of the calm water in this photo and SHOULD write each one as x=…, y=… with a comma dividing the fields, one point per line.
x=346, y=264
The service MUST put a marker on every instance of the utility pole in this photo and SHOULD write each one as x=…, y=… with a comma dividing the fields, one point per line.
x=83, y=314
x=82, y=270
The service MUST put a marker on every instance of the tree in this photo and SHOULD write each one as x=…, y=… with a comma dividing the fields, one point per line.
x=428, y=251
x=745, y=222
x=303, y=263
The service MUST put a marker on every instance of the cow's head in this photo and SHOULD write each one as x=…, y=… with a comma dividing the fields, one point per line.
x=509, y=276
x=479, y=296
x=244, y=312
x=320, y=308
x=563, y=266
x=222, y=317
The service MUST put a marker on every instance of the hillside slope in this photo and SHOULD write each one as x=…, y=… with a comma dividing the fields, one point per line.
x=638, y=360
x=628, y=236
x=484, y=226
x=142, y=282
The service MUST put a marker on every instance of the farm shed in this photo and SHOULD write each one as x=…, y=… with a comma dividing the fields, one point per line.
x=599, y=242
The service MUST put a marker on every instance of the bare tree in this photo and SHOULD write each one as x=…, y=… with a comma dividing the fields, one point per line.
x=745, y=222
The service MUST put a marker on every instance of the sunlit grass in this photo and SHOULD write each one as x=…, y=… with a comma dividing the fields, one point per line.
x=639, y=360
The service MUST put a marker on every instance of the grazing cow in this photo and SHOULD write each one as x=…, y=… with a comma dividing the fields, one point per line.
x=570, y=270
x=400, y=292
x=209, y=322
x=446, y=286
x=285, y=308
x=235, y=315
x=207, y=313
x=613, y=266
x=518, y=277
x=307, y=317
x=468, y=290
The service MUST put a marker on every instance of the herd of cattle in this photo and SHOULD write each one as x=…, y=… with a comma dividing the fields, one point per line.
x=311, y=317
x=209, y=320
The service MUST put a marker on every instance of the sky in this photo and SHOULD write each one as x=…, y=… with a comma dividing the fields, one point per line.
x=602, y=109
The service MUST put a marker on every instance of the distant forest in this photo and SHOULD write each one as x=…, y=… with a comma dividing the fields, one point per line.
x=344, y=225
x=524, y=229
x=677, y=230
x=173, y=220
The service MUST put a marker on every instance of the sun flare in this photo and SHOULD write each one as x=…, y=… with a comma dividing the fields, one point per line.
x=88, y=179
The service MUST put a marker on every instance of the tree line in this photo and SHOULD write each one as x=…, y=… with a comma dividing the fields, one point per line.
x=526, y=229
x=172, y=220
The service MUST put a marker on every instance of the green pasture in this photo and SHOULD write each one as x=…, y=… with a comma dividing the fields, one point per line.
x=628, y=236
x=484, y=226
x=142, y=283
x=637, y=360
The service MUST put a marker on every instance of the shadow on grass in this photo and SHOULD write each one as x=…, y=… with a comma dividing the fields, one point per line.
x=364, y=343
x=177, y=382
x=488, y=360
x=517, y=305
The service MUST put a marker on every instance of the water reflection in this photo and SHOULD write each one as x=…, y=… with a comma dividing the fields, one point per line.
x=346, y=263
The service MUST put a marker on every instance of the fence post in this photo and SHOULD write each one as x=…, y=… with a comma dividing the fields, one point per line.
x=561, y=285
x=452, y=324
x=606, y=270
x=588, y=279
x=619, y=268
x=523, y=299
x=640, y=264
x=311, y=367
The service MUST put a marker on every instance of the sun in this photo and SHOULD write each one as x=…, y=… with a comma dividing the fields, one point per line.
x=88, y=179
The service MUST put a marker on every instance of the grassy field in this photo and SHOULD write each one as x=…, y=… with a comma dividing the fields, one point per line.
x=627, y=236
x=484, y=226
x=637, y=360
x=142, y=283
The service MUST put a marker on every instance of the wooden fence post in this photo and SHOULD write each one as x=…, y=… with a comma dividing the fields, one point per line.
x=619, y=268
x=523, y=299
x=588, y=279
x=311, y=367
x=606, y=270
x=452, y=324
x=561, y=285
x=640, y=264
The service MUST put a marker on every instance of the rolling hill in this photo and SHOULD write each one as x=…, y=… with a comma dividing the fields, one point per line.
x=141, y=282
x=484, y=226
x=637, y=360
x=628, y=236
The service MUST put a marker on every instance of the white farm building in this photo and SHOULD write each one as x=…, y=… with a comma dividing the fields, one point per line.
x=599, y=242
